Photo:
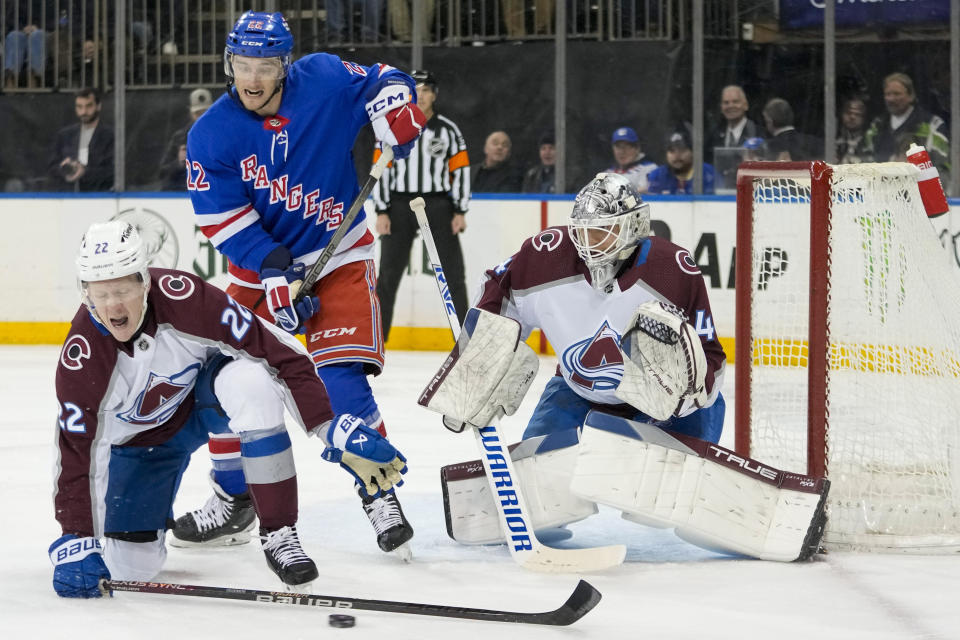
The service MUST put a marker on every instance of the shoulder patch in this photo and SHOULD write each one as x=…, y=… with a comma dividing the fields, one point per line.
x=176, y=287
x=687, y=263
x=547, y=240
x=75, y=350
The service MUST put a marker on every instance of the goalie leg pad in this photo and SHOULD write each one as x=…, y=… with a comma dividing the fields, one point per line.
x=714, y=498
x=489, y=370
x=545, y=467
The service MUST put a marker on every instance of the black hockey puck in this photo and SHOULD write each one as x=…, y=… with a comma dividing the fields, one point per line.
x=341, y=621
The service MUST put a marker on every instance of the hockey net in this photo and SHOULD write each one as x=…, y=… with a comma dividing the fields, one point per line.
x=848, y=348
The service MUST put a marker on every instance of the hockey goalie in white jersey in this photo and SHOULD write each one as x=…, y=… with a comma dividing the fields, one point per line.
x=633, y=417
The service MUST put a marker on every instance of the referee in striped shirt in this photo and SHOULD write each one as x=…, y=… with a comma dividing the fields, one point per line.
x=437, y=170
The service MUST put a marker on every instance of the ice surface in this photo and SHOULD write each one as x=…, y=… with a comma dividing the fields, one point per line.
x=666, y=589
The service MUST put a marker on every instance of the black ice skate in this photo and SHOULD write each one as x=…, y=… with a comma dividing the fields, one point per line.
x=386, y=516
x=223, y=521
x=286, y=557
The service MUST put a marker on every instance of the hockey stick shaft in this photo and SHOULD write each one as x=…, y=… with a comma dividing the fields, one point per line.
x=583, y=598
x=313, y=273
x=515, y=518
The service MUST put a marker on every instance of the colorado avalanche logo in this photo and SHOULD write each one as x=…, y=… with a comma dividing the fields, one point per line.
x=161, y=397
x=547, y=240
x=75, y=350
x=687, y=263
x=176, y=287
x=596, y=363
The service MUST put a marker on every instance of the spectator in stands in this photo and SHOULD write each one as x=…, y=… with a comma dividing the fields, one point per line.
x=82, y=157
x=736, y=126
x=542, y=177
x=629, y=159
x=677, y=175
x=514, y=12
x=25, y=46
x=401, y=18
x=730, y=133
x=341, y=23
x=497, y=173
x=172, y=171
x=906, y=120
x=785, y=142
x=852, y=147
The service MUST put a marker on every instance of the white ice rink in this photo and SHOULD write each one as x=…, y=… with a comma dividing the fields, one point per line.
x=666, y=589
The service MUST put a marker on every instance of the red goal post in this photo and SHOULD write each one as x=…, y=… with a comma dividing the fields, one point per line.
x=848, y=348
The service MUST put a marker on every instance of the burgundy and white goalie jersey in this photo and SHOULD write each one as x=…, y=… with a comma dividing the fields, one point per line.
x=547, y=285
x=140, y=393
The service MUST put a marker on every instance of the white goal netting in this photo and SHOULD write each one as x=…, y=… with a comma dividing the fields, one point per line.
x=892, y=379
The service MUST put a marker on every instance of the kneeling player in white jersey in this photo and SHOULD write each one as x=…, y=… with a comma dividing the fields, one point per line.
x=155, y=359
x=634, y=414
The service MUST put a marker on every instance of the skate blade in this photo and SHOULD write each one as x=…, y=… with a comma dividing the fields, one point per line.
x=232, y=540
x=403, y=552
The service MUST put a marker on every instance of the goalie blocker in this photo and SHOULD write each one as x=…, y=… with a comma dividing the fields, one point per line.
x=713, y=497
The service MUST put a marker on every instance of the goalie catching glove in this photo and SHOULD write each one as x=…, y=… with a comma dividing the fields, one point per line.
x=368, y=456
x=664, y=367
x=487, y=373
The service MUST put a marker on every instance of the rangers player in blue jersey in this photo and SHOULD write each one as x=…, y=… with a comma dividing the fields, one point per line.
x=271, y=175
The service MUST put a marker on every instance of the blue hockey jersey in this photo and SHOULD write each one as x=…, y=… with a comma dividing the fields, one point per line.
x=258, y=183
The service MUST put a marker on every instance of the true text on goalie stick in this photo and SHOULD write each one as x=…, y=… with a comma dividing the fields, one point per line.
x=515, y=518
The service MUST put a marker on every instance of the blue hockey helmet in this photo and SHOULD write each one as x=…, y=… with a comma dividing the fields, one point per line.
x=258, y=34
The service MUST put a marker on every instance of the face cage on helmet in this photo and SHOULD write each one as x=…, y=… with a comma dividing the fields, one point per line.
x=623, y=228
x=285, y=61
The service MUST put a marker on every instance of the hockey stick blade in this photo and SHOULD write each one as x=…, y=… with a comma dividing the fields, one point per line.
x=516, y=523
x=584, y=598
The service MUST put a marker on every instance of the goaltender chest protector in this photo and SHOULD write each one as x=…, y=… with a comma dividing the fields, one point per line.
x=585, y=326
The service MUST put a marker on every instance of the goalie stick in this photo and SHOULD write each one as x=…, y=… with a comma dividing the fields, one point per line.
x=313, y=273
x=584, y=598
x=515, y=518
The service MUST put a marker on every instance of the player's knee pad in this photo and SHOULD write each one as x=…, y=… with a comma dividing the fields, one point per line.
x=544, y=466
x=134, y=556
x=249, y=395
x=713, y=497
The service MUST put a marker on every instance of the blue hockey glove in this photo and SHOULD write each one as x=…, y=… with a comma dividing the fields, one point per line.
x=280, y=287
x=77, y=566
x=367, y=455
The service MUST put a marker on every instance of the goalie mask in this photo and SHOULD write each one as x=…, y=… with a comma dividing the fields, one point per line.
x=609, y=220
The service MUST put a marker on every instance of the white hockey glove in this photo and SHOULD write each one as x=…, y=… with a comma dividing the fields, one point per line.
x=368, y=456
x=664, y=366
x=488, y=372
